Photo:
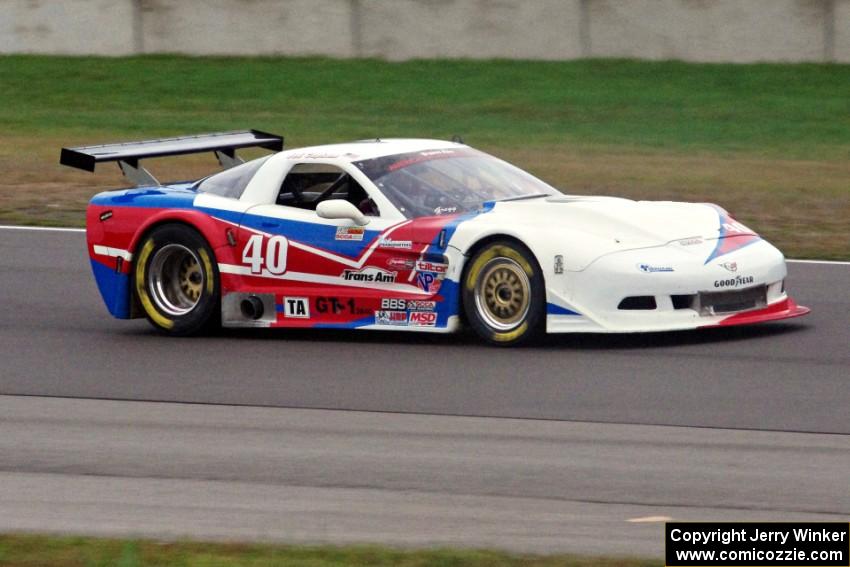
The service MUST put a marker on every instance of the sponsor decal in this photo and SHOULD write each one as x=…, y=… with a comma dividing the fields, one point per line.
x=735, y=227
x=423, y=319
x=401, y=264
x=428, y=281
x=298, y=307
x=349, y=233
x=731, y=266
x=737, y=281
x=412, y=305
x=559, y=264
x=690, y=241
x=650, y=269
x=432, y=267
x=336, y=306
x=728, y=227
x=391, y=303
x=422, y=156
x=445, y=210
x=399, y=244
x=316, y=155
x=391, y=317
x=369, y=274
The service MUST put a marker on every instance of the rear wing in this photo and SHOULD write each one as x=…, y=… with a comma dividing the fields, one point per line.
x=128, y=154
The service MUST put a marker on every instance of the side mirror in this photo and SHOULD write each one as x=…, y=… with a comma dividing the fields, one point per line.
x=341, y=209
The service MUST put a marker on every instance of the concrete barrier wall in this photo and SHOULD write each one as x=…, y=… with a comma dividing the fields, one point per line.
x=691, y=30
x=75, y=27
x=841, y=31
x=710, y=30
x=514, y=29
x=222, y=27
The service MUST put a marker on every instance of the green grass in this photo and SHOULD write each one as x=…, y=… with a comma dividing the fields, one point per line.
x=769, y=142
x=45, y=551
x=800, y=111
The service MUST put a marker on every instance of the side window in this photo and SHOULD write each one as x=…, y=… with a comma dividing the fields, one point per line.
x=231, y=182
x=308, y=184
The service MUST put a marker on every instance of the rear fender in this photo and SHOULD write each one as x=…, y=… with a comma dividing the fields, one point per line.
x=214, y=231
x=113, y=273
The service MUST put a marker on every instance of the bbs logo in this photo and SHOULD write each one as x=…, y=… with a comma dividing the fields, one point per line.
x=393, y=304
x=412, y=305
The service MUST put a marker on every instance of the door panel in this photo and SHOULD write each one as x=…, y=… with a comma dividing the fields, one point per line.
x=324, y=272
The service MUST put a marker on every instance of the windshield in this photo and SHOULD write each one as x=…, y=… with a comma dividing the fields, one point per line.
x=448, y=181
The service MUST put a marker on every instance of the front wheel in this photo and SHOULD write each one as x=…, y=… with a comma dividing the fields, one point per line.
x=176, y=281
x=504, y=296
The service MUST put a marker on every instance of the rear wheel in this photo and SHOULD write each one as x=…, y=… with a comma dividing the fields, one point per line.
x=176, y=281
x=503, y=294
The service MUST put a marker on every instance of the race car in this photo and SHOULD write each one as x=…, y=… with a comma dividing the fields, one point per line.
x=412, y=235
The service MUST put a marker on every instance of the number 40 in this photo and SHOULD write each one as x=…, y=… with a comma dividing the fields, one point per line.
x=274, y=258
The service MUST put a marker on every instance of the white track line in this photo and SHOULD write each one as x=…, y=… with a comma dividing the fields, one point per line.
x=43, y=228
x=61, y=229
x=827, y=262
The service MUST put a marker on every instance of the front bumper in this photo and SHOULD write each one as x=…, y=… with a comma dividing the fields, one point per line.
x=784, y=309
x=669, y=288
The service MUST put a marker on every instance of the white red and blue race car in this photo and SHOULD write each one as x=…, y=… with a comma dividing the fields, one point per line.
x=419, y=235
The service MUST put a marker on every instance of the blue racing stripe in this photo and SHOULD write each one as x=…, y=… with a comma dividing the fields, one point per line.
x=320, y=235
x=362, y=322
x=177, y=197
x=552, y=309
x=452, y=225
x=449, y=289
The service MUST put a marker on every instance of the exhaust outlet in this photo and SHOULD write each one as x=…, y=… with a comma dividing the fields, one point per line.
x=248, y=309
x=251, y=307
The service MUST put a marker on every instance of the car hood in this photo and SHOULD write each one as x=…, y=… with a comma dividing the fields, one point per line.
x=592, y=227
x=634, y=224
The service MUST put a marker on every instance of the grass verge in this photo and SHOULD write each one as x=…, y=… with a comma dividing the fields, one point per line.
x=769, y=142
x=47, y=551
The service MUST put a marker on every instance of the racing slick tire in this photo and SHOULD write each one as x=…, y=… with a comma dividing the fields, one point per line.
x=176, y=281
x=504, y=296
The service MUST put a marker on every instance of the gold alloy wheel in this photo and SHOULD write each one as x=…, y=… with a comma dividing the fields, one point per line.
x=175, y=279
x=190, y=278
x=503, y=294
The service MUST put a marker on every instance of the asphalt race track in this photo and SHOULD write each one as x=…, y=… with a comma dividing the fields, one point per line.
x=107, y=427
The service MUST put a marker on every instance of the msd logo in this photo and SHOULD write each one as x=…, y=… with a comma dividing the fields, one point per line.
x=423, y=319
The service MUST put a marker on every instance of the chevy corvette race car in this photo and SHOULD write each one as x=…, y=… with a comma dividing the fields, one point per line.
x=417, y=235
